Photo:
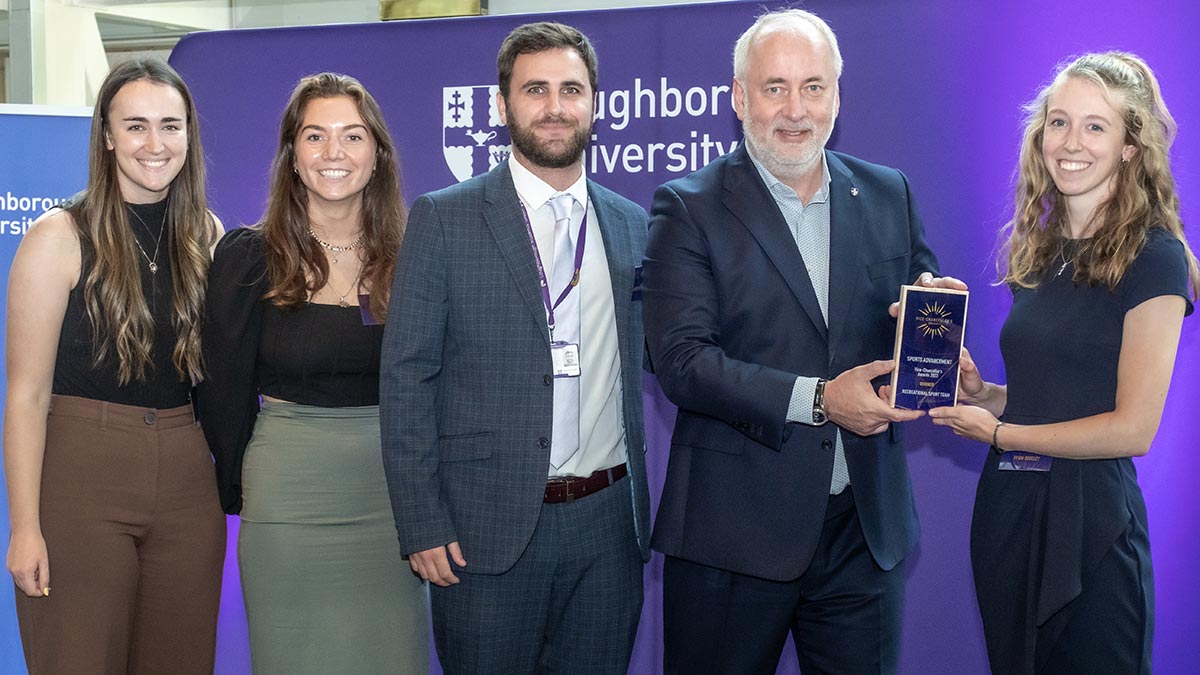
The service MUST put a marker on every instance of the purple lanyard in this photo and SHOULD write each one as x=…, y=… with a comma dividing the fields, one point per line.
x=537, y=257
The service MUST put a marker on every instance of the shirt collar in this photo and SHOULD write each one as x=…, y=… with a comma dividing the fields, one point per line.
x=778, y=187
x=535, y=192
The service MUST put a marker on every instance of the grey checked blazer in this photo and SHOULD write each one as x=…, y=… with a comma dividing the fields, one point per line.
x=466, y=396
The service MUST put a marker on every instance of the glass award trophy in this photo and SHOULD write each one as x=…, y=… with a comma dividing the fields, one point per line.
x=929, y=335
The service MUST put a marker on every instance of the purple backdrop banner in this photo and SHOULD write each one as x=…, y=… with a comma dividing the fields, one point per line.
x=933, y=88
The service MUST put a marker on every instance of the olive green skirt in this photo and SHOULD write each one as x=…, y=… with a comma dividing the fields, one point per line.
x=326, y=590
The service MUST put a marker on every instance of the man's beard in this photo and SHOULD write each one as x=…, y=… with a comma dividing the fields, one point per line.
x=783, y=164
x=541, y=153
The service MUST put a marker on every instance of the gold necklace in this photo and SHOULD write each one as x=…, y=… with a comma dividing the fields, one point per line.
x=152, y=262
x=336, y=250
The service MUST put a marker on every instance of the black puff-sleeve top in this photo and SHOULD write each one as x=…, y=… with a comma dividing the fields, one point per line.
x=319, y=355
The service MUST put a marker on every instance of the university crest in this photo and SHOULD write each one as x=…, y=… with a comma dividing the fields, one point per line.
x=473, y=138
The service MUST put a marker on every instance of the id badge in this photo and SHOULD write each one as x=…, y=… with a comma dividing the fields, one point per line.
x=364, y=310
x=1024, y=461
x=565, y=357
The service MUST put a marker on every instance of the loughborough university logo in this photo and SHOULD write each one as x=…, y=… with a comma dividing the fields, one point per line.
x=473, y=139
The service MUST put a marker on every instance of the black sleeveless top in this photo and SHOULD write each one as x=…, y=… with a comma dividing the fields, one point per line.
x=76, y=372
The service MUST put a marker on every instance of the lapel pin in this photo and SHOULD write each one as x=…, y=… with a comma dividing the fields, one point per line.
x=853, y=192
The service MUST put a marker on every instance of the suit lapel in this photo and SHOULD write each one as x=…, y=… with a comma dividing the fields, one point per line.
x=617, y=246
x=749, y=200
x=507, y=224
x=847, y=217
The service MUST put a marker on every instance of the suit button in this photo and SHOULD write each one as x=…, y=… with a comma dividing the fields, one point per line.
x=547, y=380
x=543, y=442
x=149, y=418
x=826, y=444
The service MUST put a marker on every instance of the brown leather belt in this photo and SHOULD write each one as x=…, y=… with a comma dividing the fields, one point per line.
x=570, y=488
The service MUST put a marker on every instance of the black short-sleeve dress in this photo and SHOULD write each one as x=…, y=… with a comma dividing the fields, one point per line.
x=1048, y=548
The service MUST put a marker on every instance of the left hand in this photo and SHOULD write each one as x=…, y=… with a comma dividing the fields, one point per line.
x=927, y=280
x=968, y=421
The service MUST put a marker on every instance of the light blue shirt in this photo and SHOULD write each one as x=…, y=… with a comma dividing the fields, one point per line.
x=809, y=224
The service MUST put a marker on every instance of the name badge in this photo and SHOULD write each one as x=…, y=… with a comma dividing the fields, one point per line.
x=364, y=310
x=1024, y=461
x=565, y=357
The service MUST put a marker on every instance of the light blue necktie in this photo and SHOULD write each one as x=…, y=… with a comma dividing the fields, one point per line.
x=565, y=436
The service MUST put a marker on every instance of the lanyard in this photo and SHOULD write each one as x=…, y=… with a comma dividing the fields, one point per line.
x=537, y=257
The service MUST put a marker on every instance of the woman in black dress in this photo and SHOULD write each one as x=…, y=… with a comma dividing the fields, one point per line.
x=1102, y=278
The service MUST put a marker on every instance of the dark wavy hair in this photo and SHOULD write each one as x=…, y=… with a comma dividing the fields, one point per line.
x=112, y=289
x=296, y=265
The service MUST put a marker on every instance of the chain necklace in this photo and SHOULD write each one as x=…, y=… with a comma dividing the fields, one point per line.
x=342, y=298
x=1062, y=253
x=152, y=262
x=336, y=250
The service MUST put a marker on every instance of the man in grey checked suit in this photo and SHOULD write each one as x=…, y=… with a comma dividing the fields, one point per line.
x=511, y=406
x=767, y=272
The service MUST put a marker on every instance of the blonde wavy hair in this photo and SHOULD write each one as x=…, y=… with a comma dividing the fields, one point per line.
x=1143, y=196
x=112, y=288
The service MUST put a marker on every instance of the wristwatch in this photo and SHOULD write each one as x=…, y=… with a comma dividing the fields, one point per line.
x=819, y=416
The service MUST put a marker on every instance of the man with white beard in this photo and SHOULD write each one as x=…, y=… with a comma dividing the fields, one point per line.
x=767, y=280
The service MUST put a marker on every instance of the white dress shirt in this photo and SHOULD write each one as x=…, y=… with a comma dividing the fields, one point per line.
x=601, y=431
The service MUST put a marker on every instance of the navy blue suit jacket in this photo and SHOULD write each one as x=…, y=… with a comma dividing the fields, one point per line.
x=731, y=319
x=466, y=395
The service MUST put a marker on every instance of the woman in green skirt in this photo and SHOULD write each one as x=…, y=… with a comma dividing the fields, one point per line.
x=296, y=308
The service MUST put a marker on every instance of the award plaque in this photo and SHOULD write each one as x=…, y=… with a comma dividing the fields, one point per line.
x=929, y=335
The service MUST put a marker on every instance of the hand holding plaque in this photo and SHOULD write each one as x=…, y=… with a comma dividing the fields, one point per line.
x=929, y=335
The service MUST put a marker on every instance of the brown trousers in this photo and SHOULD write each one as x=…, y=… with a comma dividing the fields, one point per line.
x=136, y=543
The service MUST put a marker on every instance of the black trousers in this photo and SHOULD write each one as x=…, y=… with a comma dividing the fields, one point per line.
x=843, y=613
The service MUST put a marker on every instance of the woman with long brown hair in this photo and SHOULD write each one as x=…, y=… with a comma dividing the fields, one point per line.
x=1102, y=278
x=109, y=476
x=296, y=311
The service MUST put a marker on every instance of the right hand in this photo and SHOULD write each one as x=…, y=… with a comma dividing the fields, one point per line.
x=853, y=404
x=29, y=563
x=433, y=565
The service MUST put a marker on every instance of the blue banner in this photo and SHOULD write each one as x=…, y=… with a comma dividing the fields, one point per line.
x=44, y=162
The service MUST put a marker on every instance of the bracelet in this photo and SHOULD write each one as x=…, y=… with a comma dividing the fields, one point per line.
x=996, y=444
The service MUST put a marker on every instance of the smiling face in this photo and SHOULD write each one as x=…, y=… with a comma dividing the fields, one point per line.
x=788, y=101
x=549, y=109
x=1083, y=144
x=335, y=152
x=146, y=130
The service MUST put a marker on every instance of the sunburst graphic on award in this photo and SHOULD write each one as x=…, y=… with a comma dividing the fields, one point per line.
x=934, y=320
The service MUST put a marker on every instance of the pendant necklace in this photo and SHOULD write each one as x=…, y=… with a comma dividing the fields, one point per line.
x=342, y=298
x=152, y=262
x=336, y=250
x=1062, y=253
